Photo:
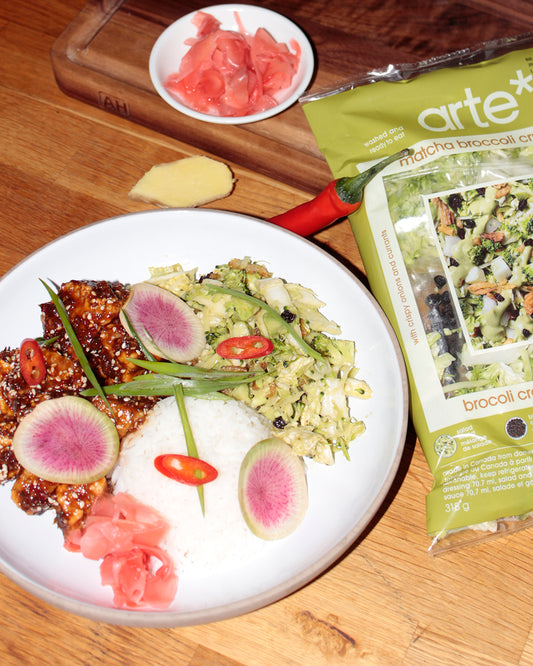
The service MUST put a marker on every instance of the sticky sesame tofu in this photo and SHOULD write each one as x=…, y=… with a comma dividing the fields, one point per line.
x=93, y=309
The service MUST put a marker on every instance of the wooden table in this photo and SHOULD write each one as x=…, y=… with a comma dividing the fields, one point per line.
x=65, y=164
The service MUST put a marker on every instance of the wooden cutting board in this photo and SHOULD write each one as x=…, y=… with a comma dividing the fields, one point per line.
x=102, y=59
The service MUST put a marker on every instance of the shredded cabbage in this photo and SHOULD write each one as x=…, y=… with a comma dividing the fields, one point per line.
x=307, y=400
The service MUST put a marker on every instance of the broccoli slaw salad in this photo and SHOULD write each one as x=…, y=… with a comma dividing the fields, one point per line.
x=446, y=236
x=303, y=389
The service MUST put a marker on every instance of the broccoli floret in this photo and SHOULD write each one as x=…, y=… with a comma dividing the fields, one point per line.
x=527, y=273
x=477, y=254
x=321, y=343
x=338, y=351
x=491, y=245
x=509, y=257
x=215, y=335
x=528, y=226
x=235, y=279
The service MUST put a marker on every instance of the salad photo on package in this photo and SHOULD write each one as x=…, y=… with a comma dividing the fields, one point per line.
x=485, y=238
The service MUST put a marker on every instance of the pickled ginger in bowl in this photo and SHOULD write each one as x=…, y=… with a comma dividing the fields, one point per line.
x=231, y=64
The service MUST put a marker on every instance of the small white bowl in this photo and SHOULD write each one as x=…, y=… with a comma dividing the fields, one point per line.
x=170, y=48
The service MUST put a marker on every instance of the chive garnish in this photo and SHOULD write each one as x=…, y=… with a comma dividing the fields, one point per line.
x=76, y=345
x=189, y=371
x=189, y=437
x=133, y=332
x=153, y=384
x=304, y=346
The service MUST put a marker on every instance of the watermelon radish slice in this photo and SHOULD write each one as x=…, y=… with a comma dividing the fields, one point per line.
x=272, y=489
x=66, y=440
x=164, y=323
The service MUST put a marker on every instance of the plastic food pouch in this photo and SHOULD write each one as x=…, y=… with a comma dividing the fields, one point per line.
x=446, y=237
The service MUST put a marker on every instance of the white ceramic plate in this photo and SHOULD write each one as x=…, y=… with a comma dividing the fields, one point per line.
x=342, y=498
x=171, y=46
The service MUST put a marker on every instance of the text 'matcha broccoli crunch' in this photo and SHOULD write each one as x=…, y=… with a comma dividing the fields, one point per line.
x=446, y=237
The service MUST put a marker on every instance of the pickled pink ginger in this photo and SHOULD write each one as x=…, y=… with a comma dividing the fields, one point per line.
x=229, y=73
x=125, y=535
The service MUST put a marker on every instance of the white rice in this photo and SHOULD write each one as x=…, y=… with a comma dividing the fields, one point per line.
x=224, y=431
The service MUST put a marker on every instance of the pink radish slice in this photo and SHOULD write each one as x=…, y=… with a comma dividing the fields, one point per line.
x=66, y=440
x=272, y=489
x=164, y=323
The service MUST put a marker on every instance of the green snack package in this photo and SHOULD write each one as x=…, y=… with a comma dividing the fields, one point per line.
x=446, y=237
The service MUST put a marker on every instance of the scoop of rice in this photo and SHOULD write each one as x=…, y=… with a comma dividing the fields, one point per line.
x=224, y=430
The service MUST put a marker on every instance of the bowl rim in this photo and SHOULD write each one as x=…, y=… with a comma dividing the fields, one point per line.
x=307, y=60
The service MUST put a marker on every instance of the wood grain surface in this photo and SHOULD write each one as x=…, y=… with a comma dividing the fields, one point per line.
x=65, y=164
x=102, y=57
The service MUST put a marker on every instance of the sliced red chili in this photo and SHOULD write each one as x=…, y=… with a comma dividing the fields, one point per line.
x=245, y=346
x=185, y=469
x=32, y=363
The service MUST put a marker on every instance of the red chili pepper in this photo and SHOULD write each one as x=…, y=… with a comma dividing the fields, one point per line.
x=245, y=346
x=32, y=363
x=340, y=198
x=185, y=469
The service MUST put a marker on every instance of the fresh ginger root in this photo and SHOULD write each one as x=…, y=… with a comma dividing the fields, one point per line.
x=186, y=183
